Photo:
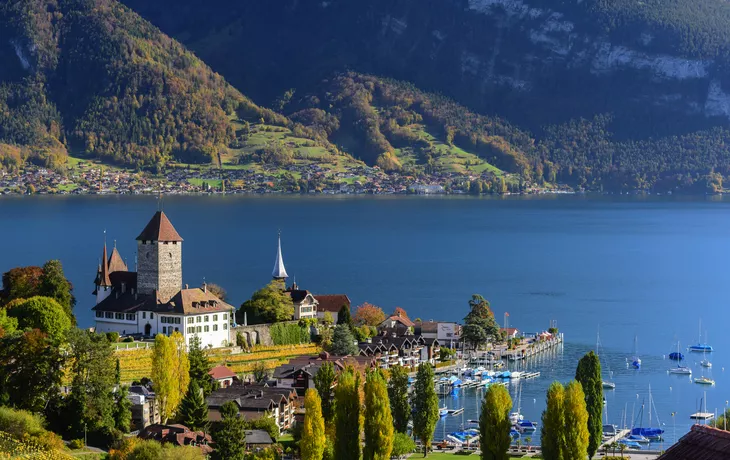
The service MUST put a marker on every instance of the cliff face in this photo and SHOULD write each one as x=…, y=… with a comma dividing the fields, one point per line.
x=536, y=62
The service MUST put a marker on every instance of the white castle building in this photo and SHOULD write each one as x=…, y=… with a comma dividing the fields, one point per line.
x=152, y=300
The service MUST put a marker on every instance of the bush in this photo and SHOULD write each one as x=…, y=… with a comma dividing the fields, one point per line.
x=27, y=426
x=76, y=444
x=128, y=340
x=289, y=334
x=113, y=337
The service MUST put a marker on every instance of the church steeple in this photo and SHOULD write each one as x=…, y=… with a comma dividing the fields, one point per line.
x=279, y=272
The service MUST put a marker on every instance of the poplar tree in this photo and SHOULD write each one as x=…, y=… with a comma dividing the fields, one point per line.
x=193, y=412
x=494, y=423
x=312, y=444
x=426, y=405
x=170, y=372
x=230, y=437
x=323, y=381
x=576, y=422
x=552, y=431
x=588, y=374
x=378, y=418
x=400, y=407
x=348, y=422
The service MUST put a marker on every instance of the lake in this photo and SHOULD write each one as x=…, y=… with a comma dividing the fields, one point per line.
x=644, y=267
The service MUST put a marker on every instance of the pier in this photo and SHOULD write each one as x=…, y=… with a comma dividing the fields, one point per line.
x=532, y=347
x=620, y=434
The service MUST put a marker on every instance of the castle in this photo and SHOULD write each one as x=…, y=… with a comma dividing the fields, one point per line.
x=152, y=300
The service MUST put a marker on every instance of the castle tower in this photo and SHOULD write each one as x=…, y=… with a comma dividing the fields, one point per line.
x=159, y=255
x=103, y=283
x=279, y=272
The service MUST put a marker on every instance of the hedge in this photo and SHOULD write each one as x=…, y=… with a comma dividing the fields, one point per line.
x=289, y=334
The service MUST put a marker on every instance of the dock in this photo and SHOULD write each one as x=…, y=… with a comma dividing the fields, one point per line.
x=532, y=348
x=530, y=375
x=702, y=416
x=619, y=435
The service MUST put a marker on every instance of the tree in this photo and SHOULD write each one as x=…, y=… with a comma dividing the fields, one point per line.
x=230, y=437
x=269, y=304
x=90, y=406
x=479, y=323
x=122, y=410
x=400, y=312
x=260, y=372
x=324, y=380
x=193, y=411
x=217, y=291
x=588, y=374
x=170, y=372
x=426, y=405
x=494, y=423
x=200, y=366
x=313, y=439
x=42, y=313
x=8, y=324
x=343, y=342
x=552, y=431
x=53, y=284
x=30, y=370
x=20, y=283
x=368, y=314
x=576, y=422
x=343, y=316
x=400, y=407
x=378, y=418
x=348, y=423
x=327, y=319
x=402, y=445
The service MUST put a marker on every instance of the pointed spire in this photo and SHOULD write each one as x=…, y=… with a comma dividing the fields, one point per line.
x=279, y=272
x=103, y=278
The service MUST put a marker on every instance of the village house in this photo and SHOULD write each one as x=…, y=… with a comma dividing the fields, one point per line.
x=178, y=435
x=299, y=372
x=255, y=401
x=331, y=303
x=396, y=325
x=412, y=349
x=152, y=300
x=223, y=376
x=447, y=333
x=145, y=407
x=510, y=332
x=257, y=440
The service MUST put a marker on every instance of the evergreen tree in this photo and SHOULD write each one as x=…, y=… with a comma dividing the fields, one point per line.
x=343, y=342
x=426, y=405
x=479, y=323
x=552, y=431
x=344, y=316
x=324, y=379
x=378, y=418
x=400, y=406
x=200, y=366
x=118, y=373
x=193, y=411
x=313, y=441
x=348, y=422
x=494, y=423
x=588, y=374
x=576, y=422
x=230, y=437
x=122, y=411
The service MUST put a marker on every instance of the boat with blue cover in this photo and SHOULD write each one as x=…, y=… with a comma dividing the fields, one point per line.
x=699, y=346
x=676, y=356
x=630, y=444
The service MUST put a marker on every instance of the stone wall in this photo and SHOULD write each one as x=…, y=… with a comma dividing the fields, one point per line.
x=255, y=335
x=159, y=267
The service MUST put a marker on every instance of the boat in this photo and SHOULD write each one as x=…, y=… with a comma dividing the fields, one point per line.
x=463, y=437
x=680, y=370
x=526, y=426
x=630, y=444
x=638, y=433
x=705, y=363
x=515, y=418
x=699, y=346
x=704, y=381
x=514, y=434
x=443, y=412
x=607, y=384
x=637, y=438
x=635, y=360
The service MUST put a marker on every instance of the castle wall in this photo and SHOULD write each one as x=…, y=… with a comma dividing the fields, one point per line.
x=159, y=267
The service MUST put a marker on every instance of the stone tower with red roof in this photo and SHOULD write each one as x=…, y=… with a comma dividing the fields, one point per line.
x=159, y=259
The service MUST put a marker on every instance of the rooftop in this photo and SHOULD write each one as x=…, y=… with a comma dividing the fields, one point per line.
x=159, y=229
x=701, y=443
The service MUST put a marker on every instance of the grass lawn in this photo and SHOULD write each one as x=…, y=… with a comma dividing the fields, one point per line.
x=214, y=183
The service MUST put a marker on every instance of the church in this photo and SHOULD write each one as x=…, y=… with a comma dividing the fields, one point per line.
x=152, y=300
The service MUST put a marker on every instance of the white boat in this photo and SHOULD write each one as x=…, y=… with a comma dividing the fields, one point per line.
x=515, y=375
x=704, y=381
x=705, y=363
x=515, y=418
x=607, y=384
x=681, y=370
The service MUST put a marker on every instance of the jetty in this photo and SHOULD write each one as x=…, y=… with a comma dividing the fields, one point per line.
x=533, y=346
x=620, y=434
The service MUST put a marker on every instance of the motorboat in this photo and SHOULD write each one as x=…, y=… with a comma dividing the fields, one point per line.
x=705, y=363
x=515, y=375
x=630, y=444
x=637, y=438
x=526, y=426
x=704, y=381
x=680, y=370
x=608, y=385
x=443, y=412
x=515, y=418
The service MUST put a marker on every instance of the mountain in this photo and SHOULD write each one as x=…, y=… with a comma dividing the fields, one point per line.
x=618, y=94
x=93, y=77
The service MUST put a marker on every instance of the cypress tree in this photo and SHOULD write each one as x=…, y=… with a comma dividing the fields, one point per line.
x=494, y=423
x=193, y=412
x=200, y=366
x=313, y=440
x=348, y=422
x=400, y=407
x=378, y=419
x=230, y=437
x=552, y=431
x=576, y=422
x=426, y=405
x=344, y=316
x=323, y=381
x=588, y=374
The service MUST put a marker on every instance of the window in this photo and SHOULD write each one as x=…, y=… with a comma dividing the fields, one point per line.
x=178, y=320
x=197, y=329
x=206, y=328
x=99, y=314
x=144, y=315
x=225, y=326
x=109, y=315
x=191, y=320
x=207, y=318
x=215, y=317
x=152, y=315
x=225, y=316
x=130, y=316
x=215, y=327
x=191, y=330
x=119, y=316
x=198, y=319
x=164, y=330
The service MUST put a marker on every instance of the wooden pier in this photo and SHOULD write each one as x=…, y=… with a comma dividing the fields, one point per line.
x=532, y=348
x=620, y=435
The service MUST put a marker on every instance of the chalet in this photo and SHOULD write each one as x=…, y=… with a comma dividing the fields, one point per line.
x=223, y=376
x=412, y=349
x=256, y=401
x=396, y=324
x=178, y=435
x=331, y=303
x=299, y=372
x=257, y=439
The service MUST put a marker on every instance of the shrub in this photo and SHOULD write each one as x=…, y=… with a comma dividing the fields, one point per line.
x=113, y=337
x=128, y=340
x=76, y=444
x=289, y=334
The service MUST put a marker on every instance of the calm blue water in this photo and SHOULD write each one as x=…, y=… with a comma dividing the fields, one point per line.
x=649, y=268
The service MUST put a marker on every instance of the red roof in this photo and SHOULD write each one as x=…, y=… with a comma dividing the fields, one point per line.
x=221, y=372
x=401, y=319
x=159, y=229
x=332, y=302
x=701, y=443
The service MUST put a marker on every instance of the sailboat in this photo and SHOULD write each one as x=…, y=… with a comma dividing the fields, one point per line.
x=704, y=380
x=681, y=370
x=644, y=435
x=705, y=362
x=700, y=347
x=516, y=417
x=607, y=384
x=635, y=360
